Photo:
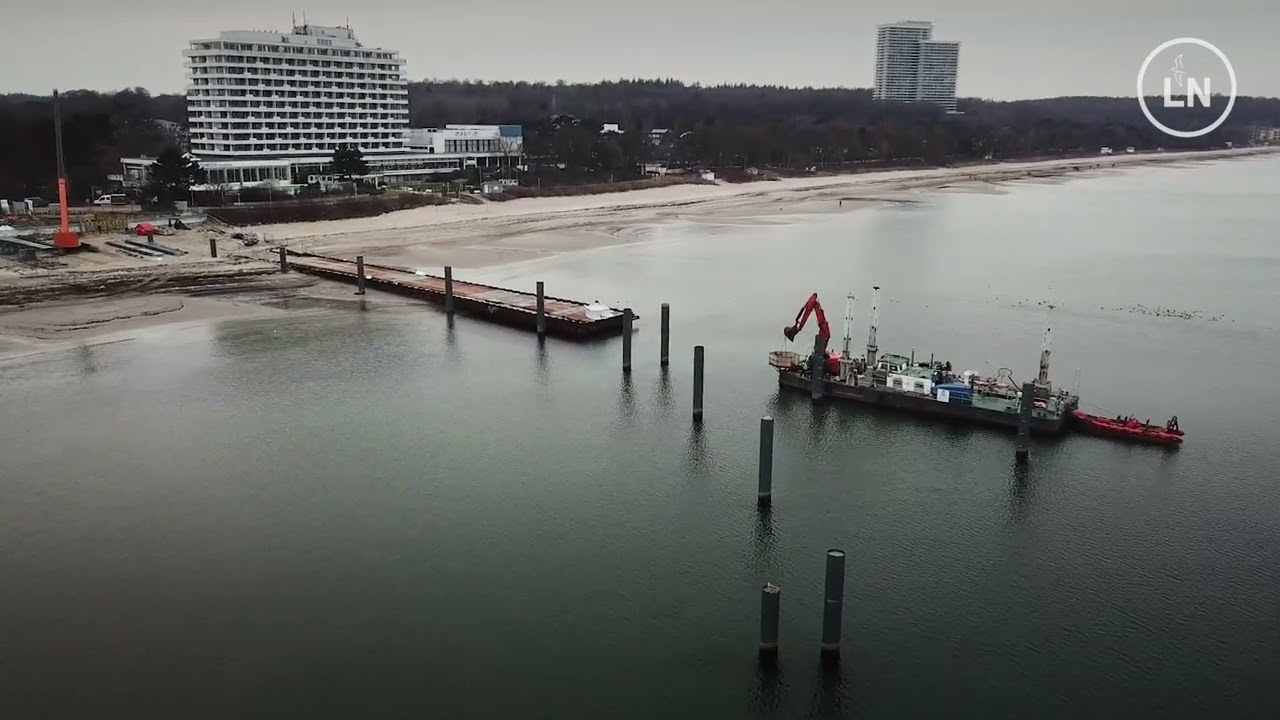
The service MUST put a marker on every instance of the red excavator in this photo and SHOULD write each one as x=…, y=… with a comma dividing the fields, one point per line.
x=813, y=307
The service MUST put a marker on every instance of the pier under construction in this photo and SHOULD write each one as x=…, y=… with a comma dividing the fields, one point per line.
x=558, y=317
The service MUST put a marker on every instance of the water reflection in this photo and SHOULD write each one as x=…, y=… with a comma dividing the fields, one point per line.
x=450, y=339
x=627, y=400
x=1019, y=491
x=770, y=685
x=763, y=535
x=695, y=454
x=829, y=695
x=544, y=367
x=662, y=391
x=819, y=421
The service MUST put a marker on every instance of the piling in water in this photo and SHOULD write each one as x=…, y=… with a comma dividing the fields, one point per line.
x=697, y=383
x=1023, y=450
x=770, y=604
x=213, y=247
x=764, y=492
x=665, y=343
x=542, y=309
x=818, y=366
x=448, y=289
x=627, y=319
x=833, y=604
x=359, y=274
x=284, y=260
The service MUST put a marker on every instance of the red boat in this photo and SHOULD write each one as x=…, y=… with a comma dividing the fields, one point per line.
x=1128, y=428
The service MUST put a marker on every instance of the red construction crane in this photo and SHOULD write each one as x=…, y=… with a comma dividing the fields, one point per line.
x=64, y=238
x=813, y=307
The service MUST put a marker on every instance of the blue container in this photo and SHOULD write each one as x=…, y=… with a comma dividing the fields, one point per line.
x=960, y=392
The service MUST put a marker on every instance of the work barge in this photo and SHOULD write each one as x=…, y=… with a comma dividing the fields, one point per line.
x=560, y=317
x=921, y=387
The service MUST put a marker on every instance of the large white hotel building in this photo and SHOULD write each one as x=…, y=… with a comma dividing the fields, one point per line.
x=271, y=108
x=913, y=67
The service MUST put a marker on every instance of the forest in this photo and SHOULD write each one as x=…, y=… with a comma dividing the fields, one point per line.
x=787, y=130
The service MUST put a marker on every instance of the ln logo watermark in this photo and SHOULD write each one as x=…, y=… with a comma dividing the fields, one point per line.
x=1183, y=88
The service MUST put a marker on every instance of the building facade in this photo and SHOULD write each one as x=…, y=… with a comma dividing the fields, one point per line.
x=1265, y=136
x=294, y=95
x=270, y=108
x=913, y=67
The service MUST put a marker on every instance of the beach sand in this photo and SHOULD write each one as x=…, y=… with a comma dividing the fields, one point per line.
x=95, y=296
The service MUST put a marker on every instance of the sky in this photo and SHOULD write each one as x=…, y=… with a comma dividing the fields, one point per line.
x=1009, y=49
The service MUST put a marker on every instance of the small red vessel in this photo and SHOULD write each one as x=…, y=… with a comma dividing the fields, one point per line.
x=1128, y=428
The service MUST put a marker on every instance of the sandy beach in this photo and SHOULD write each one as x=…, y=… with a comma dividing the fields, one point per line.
x=466, y=236
x=97, y=295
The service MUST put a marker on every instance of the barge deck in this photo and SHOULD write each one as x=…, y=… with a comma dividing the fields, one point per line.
x=571, y=319
x=1042, y=421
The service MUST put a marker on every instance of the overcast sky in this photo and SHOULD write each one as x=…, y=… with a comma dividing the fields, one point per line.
x=1010, y=49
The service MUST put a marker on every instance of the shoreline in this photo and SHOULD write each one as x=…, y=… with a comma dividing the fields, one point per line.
x=701, y=194
x=98, y=297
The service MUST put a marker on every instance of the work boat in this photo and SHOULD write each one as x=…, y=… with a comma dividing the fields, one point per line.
x=1129, y=429
x=903, y=383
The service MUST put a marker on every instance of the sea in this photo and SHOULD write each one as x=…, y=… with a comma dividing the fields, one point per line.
x=375, y=512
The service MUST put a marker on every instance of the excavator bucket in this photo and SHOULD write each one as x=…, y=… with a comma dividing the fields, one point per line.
x=790, y=331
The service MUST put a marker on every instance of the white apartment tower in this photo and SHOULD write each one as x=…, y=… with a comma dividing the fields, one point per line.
x=913, y=67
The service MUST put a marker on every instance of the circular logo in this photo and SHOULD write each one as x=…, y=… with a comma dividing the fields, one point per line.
x=1142, y=100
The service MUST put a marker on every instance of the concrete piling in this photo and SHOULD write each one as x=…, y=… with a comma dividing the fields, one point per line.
x=213, y=246
x=770, y=605
x=698, y=358
x=833, y=604
x=818, y=367
x=284, y=260
x=628, y=318
x=665, y=344
x=764, y=492
x=542, y=309
x=448, y=289
x=1023, y=450
x=359, y=274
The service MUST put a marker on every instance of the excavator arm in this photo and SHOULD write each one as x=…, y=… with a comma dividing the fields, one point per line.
x=811, y=307
x=831, y=363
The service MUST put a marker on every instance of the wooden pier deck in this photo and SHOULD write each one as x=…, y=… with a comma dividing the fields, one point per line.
x=564, y=318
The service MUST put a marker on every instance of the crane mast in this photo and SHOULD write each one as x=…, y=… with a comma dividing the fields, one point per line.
x=848, y=324
x=1042, y=379
x=872, y=348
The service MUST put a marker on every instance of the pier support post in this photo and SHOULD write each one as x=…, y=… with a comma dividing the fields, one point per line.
x=542, y=309
x=359, y=274
x=1023, y=450
x=213, y=246
x=833, y=604
x=448, y=289
x=764, y=493
x=818, y=367
x=284, y=260
x=698, y=358
x=627, y=319
x=770, y=605
x=664, y=353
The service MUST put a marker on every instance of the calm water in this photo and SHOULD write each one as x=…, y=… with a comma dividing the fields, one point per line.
x=376, y=515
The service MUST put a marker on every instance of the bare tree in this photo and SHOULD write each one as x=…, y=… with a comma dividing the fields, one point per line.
x=508, y=148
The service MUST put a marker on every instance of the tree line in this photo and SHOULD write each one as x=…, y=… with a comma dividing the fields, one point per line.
x=716, y=127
